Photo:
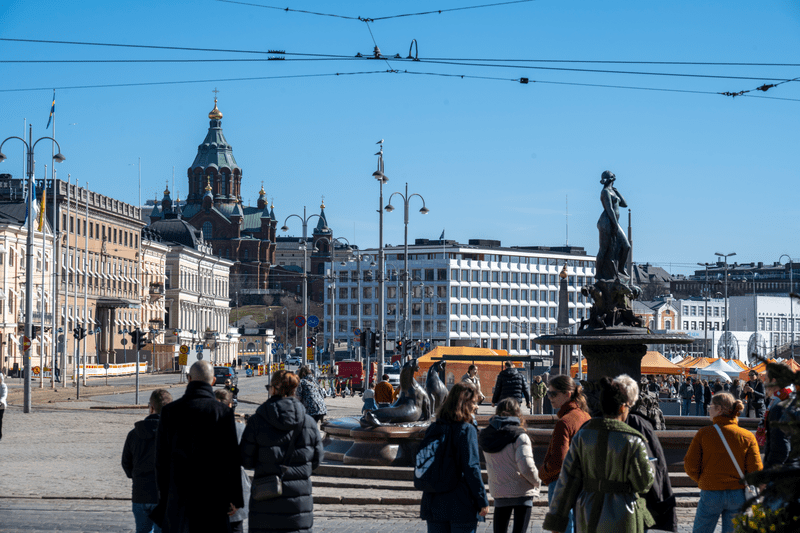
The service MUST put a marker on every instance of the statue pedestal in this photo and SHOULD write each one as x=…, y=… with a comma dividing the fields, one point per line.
x=348, y=442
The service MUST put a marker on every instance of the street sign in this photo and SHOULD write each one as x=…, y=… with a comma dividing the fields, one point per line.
x=124, y=341
x=184, y=349
x=198, y=348
x=200, y=355
x=274, y=351
x=299, y=321
x=356, y=332
x=105, y=365
x=279, y=345
x=183, y=359
x=313, y=321
x=26, y=344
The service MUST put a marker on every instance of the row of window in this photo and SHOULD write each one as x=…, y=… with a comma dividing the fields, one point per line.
x=467, y=276
x=493, y=258
x=97, y=230
x=778, y=324
x=695, y=310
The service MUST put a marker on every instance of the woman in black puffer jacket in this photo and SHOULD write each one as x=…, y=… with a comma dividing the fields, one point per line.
x=264, y=445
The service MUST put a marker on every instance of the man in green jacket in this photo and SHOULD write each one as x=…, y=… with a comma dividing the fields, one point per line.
x=538, y=390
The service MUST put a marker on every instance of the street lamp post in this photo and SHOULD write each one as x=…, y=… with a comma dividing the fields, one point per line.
x=304, y=219
x=791, y=300
x=382, y=179
x=424, y=210
x=286, y=337
x=58, y=158
x=727, y=330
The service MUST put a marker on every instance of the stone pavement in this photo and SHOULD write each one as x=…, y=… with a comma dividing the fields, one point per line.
x=60, y=467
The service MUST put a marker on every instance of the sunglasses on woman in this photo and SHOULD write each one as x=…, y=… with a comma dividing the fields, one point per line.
x=553, y=393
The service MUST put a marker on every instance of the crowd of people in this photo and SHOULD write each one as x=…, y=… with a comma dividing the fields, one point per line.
x=606, y=473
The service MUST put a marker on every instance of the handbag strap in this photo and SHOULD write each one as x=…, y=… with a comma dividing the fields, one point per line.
x=730, y=453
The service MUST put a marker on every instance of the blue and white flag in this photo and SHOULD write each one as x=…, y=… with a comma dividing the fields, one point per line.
x=52, y=110
x=441, y=237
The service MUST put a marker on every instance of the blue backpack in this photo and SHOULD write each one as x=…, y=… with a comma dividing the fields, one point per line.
x=435, y=465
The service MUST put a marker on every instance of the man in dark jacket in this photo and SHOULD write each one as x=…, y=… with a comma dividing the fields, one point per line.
x=660, y=499
x=754, y=396
x=139, y=461
x=699, y=397
x=197, y=460
x=511, y=384
x=686, y=392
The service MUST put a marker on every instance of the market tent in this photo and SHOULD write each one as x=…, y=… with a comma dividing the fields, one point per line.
x=737, y=363
x=761, y=369
x=719, y=366
x=652, y=363
x=695, y=362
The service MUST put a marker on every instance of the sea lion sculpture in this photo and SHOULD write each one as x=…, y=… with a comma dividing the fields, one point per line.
x=412, y=405
x=436, y=389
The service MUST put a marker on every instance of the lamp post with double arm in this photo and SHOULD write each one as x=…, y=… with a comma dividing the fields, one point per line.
x=30, y=144
x=304, y=219
x=424, y=210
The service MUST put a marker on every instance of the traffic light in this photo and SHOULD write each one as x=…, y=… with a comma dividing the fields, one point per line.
x=138, y=338
x=142, y=340
x=398, y=346
x=79, y=333
x=311, y=342
x=362, y=339
x=374, y=339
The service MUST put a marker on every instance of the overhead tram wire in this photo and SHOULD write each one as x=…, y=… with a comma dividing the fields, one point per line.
x=466, y=61
x=373, y=19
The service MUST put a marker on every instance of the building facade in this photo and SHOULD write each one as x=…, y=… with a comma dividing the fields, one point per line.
x=480, y=294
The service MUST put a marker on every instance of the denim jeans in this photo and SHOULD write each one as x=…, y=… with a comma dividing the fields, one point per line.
x=571, y=522
x=714, y=503
x=452, y=527
x=698, y=408
x=143, y=522
x=685, y=405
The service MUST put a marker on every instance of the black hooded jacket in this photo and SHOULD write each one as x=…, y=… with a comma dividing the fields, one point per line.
x=511, y=384
x=265, y=442
x=139, y=460
x=660, y=499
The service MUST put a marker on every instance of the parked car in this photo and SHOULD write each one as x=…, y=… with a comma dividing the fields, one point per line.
x=394, y=375
x=294, y=360
x=223, y=373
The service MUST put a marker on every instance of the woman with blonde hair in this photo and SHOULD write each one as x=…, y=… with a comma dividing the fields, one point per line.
x=709, y=464
x=461, y=508
x=513, y=478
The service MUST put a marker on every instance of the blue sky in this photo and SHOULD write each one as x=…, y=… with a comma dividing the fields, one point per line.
x=702, y=173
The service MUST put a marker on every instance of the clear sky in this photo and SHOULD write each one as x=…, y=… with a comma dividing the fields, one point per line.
x=493, y=158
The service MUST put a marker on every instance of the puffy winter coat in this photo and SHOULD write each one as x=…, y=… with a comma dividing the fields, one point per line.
x=603, y=478
x=265, y=442
x=509, y=459
x=139, y=460
x=511, y=384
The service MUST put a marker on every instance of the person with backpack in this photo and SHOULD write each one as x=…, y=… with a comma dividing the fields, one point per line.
x=513, y=478
x=447, y=467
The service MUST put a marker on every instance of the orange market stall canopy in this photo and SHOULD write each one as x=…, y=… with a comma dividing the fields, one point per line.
x=652, y=363
x=762, y=368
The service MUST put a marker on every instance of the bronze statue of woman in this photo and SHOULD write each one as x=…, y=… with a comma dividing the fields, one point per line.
x=614, y=245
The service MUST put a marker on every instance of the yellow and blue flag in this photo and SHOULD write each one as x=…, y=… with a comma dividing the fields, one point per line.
x=52, y=111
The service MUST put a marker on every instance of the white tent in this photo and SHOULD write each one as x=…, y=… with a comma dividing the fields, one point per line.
x=719, y=366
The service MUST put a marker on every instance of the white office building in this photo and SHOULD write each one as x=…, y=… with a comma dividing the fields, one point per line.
x=480, y=294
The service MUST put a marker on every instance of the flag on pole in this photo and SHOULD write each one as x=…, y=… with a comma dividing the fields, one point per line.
x=52, y=110
x=41, y=209
x=441, y=237
x=27, y=214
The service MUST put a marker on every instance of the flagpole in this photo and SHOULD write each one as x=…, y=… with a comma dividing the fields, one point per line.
x=41, y=300
x=53, y=271
x=85, y=281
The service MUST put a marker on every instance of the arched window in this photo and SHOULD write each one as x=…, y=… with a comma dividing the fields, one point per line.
x=208, y=230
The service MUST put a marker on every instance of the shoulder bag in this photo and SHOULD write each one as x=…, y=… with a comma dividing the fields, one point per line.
x=271, y=487
x=750, y=491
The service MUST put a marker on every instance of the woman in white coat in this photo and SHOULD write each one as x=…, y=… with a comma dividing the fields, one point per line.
x=513, y=478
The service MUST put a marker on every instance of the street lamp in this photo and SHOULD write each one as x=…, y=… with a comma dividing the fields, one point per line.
x=791, y=300
x=406, y=199
x=726, y=329
x=304, y=219
x=332, y=287
x=58, y=158
x=382, y=179
x=286, y=339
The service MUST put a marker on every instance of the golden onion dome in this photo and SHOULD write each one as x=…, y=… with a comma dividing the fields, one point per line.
x=208, y=183
x=215, y=113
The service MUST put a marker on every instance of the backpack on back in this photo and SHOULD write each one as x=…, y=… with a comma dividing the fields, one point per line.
x=435, y=466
